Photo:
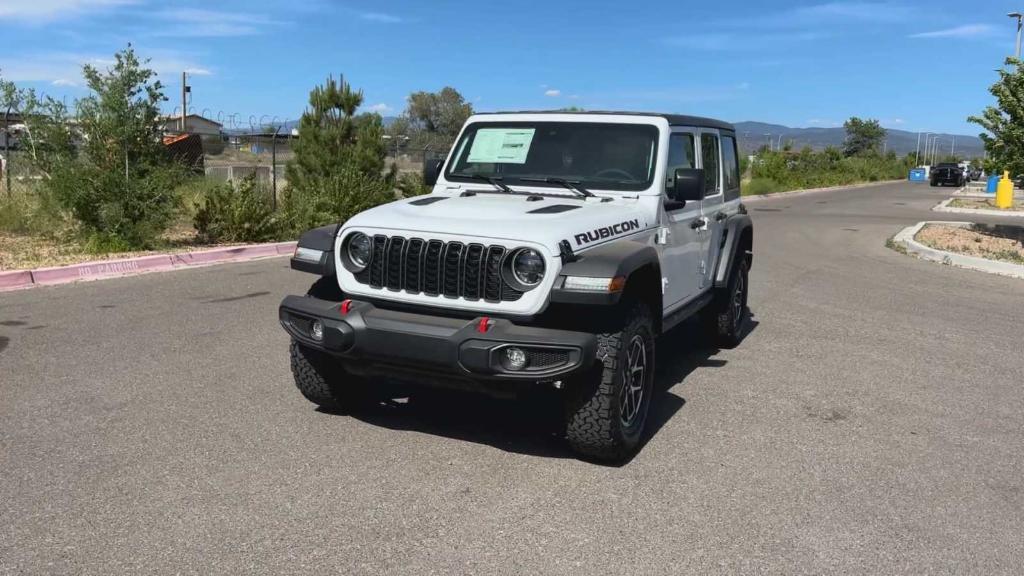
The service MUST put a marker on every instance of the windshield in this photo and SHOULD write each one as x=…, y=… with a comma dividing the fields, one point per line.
x=594, y=155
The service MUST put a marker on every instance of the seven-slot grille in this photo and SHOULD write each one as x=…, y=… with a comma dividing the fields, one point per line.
x=436, y=268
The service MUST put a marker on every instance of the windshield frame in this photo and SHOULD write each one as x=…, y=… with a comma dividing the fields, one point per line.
x=592, y=185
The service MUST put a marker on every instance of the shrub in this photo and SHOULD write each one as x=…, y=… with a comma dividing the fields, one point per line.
x=759, y=186
x=236, y=214
x=32, y=211
x=411, y=184
x=332, y=199
x=136, y=208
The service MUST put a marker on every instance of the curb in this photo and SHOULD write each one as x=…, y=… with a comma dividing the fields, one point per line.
x=944, y=207
x=906, y=238
x=791, y=193
x=18, y=279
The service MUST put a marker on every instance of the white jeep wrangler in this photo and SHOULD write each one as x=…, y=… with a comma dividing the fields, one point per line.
x=553, y=250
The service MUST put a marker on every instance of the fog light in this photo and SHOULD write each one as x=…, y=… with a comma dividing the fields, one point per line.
x=514, y=360
x=317, y=331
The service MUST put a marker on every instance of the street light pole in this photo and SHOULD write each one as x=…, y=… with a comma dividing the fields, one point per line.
x=1020, y=24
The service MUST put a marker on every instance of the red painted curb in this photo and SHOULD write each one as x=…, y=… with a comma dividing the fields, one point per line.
x=224, y=254
x=15, y=279
x=126, y=267
x=102, y=268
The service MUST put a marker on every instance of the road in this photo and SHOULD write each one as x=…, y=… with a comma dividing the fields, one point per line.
x=871, y=422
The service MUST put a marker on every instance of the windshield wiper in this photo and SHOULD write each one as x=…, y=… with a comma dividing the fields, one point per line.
x=492, y=180
x=574, y=185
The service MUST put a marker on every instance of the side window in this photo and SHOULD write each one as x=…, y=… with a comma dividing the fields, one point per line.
x=709, y=153
x=731, y=167
x=680, y=155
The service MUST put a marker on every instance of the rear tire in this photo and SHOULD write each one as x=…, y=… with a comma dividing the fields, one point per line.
x=727, y=317
x=607, y=412
x=322, y=380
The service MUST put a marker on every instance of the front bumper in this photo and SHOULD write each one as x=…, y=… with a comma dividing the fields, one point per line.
x=376, y=340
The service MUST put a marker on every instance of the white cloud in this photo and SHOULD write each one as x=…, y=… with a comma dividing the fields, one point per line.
x=734, y=41
x=201, y=23
x=64, y=69
x=45, y=10
x=380, y=17
x=965, y=31
x=864, y=11
x=553, y=92
x=381, y=108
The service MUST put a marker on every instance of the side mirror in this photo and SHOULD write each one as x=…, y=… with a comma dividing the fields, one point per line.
x=431, y=171
x=688, y=184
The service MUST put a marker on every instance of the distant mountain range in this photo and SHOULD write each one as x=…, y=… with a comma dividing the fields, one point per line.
x=753, y=135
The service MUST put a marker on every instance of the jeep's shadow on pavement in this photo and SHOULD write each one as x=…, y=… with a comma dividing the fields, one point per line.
x=532, y=424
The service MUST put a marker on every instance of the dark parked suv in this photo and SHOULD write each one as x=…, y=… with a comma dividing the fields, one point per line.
x=947, y=173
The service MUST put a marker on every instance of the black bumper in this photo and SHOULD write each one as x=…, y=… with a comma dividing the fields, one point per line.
x=382, y=341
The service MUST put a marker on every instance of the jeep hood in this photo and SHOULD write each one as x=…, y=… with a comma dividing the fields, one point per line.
x=508, y=217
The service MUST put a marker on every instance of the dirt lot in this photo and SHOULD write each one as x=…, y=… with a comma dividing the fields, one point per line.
x=984, y=204
x=1004, y=243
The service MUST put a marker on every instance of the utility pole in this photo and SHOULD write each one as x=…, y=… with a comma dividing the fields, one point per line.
x=184, y=101
x=273, y=170
x=5, y=167
x=1020, y=24
x=917, y=151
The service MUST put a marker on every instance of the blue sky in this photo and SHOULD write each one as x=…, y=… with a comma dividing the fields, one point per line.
x=915, y=64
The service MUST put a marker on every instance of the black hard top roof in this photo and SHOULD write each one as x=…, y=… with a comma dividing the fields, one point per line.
x=673, y=119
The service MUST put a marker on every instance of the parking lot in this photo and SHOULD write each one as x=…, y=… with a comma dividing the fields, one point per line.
x=871, y=422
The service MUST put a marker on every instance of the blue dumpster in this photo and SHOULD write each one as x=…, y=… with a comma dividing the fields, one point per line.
x=917, y=175
x=993, y=183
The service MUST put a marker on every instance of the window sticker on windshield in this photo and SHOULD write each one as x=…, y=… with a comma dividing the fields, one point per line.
x=501, y=145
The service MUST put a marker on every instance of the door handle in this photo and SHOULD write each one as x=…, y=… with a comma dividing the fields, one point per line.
x=719, y=216
x=698, y=223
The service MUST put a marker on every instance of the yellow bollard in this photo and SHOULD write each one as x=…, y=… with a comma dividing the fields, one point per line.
x=1004, y=191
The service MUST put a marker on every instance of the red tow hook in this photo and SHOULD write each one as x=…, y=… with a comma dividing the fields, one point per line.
x=484, y=325
x=346, y=306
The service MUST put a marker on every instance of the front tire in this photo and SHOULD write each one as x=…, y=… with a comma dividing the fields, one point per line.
x=607, y=413
x=322, y=380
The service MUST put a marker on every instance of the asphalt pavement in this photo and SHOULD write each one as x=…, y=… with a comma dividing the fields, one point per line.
x=871, y=422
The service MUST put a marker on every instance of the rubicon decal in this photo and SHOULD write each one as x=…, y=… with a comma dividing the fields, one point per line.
x=606, y=232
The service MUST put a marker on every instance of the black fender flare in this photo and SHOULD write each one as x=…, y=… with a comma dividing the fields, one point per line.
x=322, y=240
x=732, y=233
x=614, y=259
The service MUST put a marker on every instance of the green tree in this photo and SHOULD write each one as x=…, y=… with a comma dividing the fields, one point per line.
x=49, y=139
x=433, y=119
x=1004, y=122
x=333, y=137
x=863, y=136
x=120, y=185
x=338, y=154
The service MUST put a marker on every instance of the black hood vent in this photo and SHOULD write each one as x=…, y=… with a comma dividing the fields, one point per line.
x=553, y=209
x=427, y=201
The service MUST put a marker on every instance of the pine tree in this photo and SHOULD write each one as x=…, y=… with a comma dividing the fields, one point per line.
x=332, y=138
x=1004, y=122
x=339, y=164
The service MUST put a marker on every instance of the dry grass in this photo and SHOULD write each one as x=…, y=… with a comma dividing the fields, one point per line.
x=984, y=204
x=995, y=242
x=26, y=252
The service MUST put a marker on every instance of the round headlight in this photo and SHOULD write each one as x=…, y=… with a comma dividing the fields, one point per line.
x=528, y=266
x=359, y=249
